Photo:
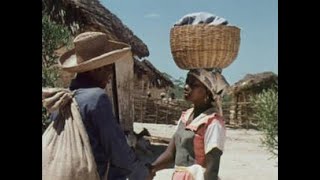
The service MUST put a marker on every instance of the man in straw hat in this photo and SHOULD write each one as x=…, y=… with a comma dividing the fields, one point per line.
x=92, y=60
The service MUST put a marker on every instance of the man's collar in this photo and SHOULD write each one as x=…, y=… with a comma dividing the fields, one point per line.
x=82, y=82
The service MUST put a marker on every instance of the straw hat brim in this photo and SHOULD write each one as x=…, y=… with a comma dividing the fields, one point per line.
x=68, y=61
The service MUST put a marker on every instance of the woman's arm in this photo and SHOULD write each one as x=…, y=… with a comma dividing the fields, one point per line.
x=212, y=164
x=166, y=158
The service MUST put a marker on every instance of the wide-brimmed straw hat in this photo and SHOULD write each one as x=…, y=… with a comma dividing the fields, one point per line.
x=91, y=51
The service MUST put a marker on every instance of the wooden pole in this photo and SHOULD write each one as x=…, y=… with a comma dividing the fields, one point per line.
x=141, y=111
x=167, y=112
x=156, y=105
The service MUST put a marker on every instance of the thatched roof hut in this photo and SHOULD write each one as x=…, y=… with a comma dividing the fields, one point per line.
x=157, y=78
x=85, y=15
x=251, y=84
x=254, y=83
x=148, y=79
x=89, y=15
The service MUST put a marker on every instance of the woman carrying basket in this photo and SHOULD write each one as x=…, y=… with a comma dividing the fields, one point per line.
x=198, y=143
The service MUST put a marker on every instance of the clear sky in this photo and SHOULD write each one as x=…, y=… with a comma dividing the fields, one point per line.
x=151, y=21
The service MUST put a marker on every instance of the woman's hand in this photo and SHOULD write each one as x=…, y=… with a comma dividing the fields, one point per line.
x=166, y=158
x=152, y=172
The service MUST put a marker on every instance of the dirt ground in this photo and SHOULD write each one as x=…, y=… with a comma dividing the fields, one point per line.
x=243, y=159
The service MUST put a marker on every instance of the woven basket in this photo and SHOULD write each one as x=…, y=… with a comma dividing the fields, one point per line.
x=203, y=46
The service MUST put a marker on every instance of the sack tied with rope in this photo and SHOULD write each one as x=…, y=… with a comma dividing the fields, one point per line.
x=66, y=150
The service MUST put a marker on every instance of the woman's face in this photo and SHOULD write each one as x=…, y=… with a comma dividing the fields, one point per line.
x=194, y=90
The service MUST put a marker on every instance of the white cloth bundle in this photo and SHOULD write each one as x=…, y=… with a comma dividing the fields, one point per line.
x=201, y=18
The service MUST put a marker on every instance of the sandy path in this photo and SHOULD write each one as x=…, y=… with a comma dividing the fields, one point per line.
x=243, y=158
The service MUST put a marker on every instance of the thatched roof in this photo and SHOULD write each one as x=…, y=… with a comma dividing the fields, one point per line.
x=253, y=82
x=139, y=68
x=85, y=15
x=156, y=77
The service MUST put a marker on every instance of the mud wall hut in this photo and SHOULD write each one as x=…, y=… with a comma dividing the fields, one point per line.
x=90, y=15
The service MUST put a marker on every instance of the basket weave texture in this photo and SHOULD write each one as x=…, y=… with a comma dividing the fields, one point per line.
x=204, y=46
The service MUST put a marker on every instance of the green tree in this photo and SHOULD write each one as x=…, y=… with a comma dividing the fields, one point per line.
x=179, y=82
x=178, y=91
x=178, y=85
x=265, y=107
x=54, y=36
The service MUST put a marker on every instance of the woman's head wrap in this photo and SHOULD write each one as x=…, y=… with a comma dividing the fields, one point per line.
x=214, y=81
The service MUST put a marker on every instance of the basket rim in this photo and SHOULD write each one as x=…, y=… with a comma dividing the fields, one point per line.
x=197, y=50
x=206, y=25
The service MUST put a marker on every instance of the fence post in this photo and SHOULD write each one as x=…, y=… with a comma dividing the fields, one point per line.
x=167, y=112
x=156, y=113
x=141, y=111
